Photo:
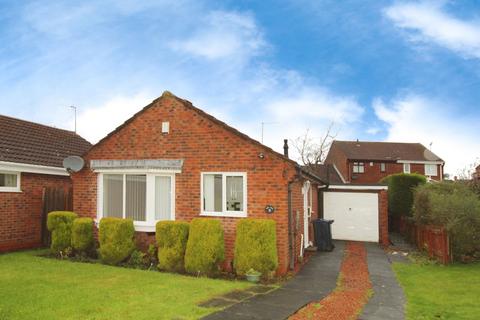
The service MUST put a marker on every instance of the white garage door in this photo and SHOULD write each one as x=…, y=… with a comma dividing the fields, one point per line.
x=355, y=215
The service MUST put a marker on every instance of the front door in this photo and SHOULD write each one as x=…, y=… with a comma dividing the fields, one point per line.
x=307, y=211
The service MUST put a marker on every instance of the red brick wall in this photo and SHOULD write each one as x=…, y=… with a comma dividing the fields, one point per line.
x=337, y=157
x=205, y=146
x=20, y=212
x=373, y=174
x=383, y=217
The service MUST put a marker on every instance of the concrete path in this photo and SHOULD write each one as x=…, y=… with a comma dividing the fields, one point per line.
x=388, y=301
x=315, y=281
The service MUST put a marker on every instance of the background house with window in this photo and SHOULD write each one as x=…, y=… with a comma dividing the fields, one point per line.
x=361, y=162
x=172, y=161
x=476, y=173
x=31, y=158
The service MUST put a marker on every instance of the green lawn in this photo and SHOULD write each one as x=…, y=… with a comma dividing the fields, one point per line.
x=441, y=292
x=33, y=287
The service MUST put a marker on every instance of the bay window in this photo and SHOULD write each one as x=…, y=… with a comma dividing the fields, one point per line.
x=144, y=198
x=224, y=194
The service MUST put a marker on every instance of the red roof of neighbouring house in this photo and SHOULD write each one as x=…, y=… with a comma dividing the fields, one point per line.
x=32, y=143
x=385, y=151
x=325, y=172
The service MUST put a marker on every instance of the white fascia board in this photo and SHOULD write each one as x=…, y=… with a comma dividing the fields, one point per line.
x=339, y=174
x=139, y=171
x=420, y=162
x=356, y=187
x=32, y=168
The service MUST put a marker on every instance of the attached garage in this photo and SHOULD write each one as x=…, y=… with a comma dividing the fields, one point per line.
x=359, y=212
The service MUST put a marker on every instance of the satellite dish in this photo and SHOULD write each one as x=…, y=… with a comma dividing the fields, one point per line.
x=73, y=163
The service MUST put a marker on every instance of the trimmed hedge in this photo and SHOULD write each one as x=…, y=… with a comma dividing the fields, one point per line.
x=256, y=246
x=59, y=223
x=116, y=238
x=400, y=192
x=172, y=237
x=205, y=247
x=82, y=235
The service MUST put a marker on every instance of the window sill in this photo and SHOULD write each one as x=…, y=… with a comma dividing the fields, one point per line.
x=223, y=214
x=10, y=190
x=139, y=226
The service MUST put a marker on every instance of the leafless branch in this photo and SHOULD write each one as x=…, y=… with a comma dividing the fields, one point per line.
x=314, y=150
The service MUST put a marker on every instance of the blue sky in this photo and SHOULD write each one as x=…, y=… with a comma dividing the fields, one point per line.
x=379, y=70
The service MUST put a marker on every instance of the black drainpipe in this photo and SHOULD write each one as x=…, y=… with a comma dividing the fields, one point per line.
x=291, y=235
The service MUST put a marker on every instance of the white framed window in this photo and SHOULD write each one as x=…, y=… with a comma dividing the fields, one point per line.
x=431, y=170
x=144, y=197
x=406, y=168
x=223, y=194
x=358, y=167
x=9, y=181
x=382, y=167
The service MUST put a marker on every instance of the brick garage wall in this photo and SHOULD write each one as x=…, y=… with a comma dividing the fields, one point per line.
x=373, y=174
x=383, y=217
x=205, y=146
x=21, y=212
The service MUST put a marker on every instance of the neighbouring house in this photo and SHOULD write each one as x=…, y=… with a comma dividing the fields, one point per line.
x=173, y=161
x=476, y=174
x=31, y=158
x=362, y=162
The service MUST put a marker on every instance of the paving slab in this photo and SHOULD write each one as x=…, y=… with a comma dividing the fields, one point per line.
x=315, y=281
x=388, y=300
x=237, y=295
x=261, y=289
x=217, y=303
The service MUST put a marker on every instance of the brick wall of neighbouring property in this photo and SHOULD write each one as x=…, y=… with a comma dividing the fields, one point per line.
x=337, y=157
x=205, y=146
x=20, y=212
x=383, y=217
x=373, y=173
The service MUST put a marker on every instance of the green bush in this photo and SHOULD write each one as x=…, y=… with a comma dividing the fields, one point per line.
x=82, y=235
x=137, y=260
x=205, y=247
x=116, y=238
x=172, y=239
x=400, y=192
x=456, y=207
x=256, y=246
x=59, y=223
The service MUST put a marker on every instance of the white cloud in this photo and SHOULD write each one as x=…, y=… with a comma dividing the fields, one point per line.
x=415, y=118
x=223, y=34
x=316, y=104
x=428, y=22
x=373, y=130
x=95, y=122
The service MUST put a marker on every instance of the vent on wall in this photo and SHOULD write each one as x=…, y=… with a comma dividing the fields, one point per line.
x=165, y=127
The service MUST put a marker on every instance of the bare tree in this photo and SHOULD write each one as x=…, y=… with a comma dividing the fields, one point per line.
x=312, y=150
x=467, y=172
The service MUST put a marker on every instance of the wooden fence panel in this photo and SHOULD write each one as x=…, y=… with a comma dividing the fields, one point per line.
x=432, y=239
x=54, y=199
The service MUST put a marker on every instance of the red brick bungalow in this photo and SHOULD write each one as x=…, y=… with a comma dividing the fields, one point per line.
x=31, y=158
x=172, y=161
